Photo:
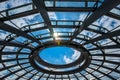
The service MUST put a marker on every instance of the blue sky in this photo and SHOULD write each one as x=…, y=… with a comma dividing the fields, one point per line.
x=56, y=55
x=59, y=55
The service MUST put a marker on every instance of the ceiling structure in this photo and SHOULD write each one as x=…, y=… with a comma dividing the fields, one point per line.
x=90, y=26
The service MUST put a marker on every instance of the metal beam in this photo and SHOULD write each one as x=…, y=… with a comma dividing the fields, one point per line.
x=3, y=0
x=107, y=67
x=76, y=77
x=95, y=31
x=8, y=60
x=14, y=44
x=113, y=15
x=13, y=30
x=85, y=77
x=12, y=53
x=97, y=70
x=70, y=9
x=106, y=47
x=12, y=66
x=75, y=0
x=105, y=36
x=106, y=6
x=15, y=72
x=62, y=36
x=64, y=26
x=41, y=7
x=30, y=71
x=111, y=55
x=93, y=75
x=41, y=76
x=33, y=75
x=108, y=61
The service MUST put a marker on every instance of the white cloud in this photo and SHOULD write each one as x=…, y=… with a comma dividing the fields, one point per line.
x=82, y=16
x=74, y=57
x=8, y=48
x=2, y=6
x=107, y=22
x=12, y=3
x=48, y=3
x=52, y=15
x=20, y=22
x=67, y=60
x=87, y=33
x=3, y=34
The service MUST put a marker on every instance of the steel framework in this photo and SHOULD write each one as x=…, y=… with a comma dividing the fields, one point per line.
x=100, y=53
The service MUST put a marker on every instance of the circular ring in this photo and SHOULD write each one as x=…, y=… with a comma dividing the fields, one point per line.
x=41, y=61
x=83, y=61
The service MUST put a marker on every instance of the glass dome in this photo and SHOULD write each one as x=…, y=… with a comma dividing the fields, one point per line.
x=91, y=27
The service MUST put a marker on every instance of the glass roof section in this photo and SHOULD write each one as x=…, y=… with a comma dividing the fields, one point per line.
x=91, y=27
x=59, y=55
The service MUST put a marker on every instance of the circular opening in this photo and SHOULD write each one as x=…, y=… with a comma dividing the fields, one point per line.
x=59, y=55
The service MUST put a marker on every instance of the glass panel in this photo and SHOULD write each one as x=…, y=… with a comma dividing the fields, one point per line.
x=107, y=22
x=115, y=75
x=105, y=78
x=10, y=63
x=3, y=34
x=4, y=57
x=19, y=10
x=91, y=4
x=115, y=11
x=64, y=15
x=4, y=72
x=49, y=3
x=63, y=30
x=70, y=4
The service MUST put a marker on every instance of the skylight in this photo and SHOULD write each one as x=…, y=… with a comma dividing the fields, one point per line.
x=59, y=55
